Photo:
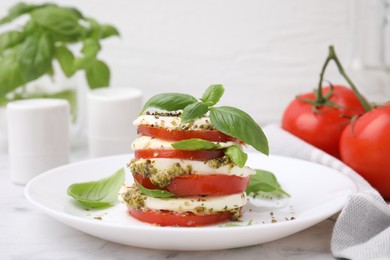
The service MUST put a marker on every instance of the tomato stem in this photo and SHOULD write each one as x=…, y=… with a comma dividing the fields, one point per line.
x=332, y=56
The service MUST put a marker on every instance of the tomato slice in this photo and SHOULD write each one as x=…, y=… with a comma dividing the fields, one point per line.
x=198, y=155
x=177, y=135
x=192, y=185
x=171, y=218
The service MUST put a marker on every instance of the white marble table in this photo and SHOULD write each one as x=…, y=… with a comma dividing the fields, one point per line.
x=27, y=233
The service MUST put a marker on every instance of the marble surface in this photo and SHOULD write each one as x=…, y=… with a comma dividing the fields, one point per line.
x=27, y=233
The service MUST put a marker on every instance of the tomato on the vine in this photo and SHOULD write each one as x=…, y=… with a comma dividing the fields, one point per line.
x=322, y=126
x=365, y=147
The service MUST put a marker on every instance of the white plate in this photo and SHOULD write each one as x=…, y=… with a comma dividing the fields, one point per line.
x=317, y=192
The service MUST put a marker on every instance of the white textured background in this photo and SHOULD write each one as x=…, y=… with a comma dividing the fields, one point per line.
x=263, y=51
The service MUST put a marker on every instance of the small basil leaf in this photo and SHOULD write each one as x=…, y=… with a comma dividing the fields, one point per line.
x=108, y=31
x=11, y=76
x=97, y=194
x=264, y=181
x=58, y=20
x=235, y=122
x=90, y=47
x=195, y=144
x=66, y=59
x=155, y=193
x=213, y=94
x=98, y=74
x=10, y=39
x=194, y=111
x=35, y=56
x=169, y=101
x=236, y=155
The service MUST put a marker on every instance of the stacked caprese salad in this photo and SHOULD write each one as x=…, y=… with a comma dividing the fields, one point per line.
x=189, y=167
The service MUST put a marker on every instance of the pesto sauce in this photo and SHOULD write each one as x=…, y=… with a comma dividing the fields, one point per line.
x=134, y=198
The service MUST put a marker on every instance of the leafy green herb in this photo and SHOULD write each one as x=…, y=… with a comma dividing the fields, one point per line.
x=29, y=51
x=195, y=144
x=194, y=111
x=169, y=101
x=213, y=94
x=237, y=156
x=155, y=193
x=98, y=194
x=235, y=122
x=264, y=181
x=98, y=74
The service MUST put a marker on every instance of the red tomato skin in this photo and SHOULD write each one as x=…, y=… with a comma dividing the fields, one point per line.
x=198, y=155
x=170, y=218
x=178, y=135
x=322, y=129
x=194, y=185
x=365, y=147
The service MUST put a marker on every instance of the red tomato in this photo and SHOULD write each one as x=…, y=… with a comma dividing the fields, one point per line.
x=170, y=218
x=322, y=128
x=199, y=155
x=192, y=185
x=177, y=135
x=365, y=147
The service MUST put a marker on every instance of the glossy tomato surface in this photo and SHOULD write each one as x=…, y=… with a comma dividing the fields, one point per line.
x=177, y=135
x=322, y=128
x=199, y=155
x=192, y=185
x=170, y=218
x=365, y=147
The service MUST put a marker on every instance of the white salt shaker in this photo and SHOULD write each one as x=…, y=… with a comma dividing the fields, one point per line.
x=110, y=115
x=38, y=137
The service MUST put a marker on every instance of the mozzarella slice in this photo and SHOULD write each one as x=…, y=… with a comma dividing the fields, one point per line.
x=147, y=142
x=197, y=204
x=197, y=167
x=172, y=122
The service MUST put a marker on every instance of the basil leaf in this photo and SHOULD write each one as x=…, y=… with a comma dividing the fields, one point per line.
x=235, y=122
x=213, y=94
x=90, y=47
x=195, y=144
x=169, y=101
x=11, y=76
x=236, y=155
x=108, y=31
x=97, y=194
x=194, y=111
x=62, y=21
x=264, y=181
x=35, y=56
x=155, y=193
x=98, y=74
x=66, y=59
x=18, y=10
x=10, y=39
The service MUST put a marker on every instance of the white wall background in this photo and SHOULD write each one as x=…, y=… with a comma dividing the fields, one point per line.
x=263, y=51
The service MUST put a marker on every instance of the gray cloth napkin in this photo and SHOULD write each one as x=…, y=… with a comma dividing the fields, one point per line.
x=362, y=230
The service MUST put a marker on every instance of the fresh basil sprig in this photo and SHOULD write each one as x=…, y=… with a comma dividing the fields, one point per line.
x=228, y=120
x=28, y=51
x=264, y=181
x=195, y=144
x=98, y=194
x=154, y=193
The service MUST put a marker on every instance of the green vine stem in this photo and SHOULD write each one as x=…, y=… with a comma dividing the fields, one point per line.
x=332, y=56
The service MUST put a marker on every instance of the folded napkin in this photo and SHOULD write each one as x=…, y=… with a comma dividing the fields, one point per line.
x=362, y=230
